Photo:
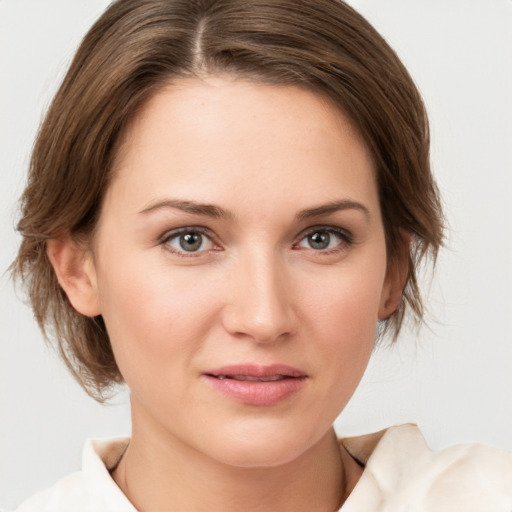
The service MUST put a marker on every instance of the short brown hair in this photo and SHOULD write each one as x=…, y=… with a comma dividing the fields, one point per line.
x=138, y=46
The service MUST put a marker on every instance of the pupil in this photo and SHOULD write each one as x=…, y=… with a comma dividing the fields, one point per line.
x=190, y=241
x=319, y=240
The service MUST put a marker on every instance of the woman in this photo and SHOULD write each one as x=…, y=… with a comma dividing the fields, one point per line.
x=225, y=199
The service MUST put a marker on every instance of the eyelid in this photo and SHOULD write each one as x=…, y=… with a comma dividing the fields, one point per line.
x=173, y=233
x=343, y=232
x=346, y=236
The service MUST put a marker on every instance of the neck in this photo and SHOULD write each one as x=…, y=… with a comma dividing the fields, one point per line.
x=161, y=473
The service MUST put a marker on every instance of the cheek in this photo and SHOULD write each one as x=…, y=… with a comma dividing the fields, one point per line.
x=346, y=301
x=351, y=322
x=157, y=315
x=343, y=315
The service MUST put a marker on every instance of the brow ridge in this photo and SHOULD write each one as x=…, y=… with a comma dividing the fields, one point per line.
x=333, y=207
x=187, y=206
x=217, y=212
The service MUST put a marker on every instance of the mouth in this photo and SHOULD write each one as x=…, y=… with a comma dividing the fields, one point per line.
x=257, y=373
x=257, y=385
x=250, y=378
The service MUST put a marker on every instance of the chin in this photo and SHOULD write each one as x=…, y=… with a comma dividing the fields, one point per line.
x=265, y=447
x=269, y=457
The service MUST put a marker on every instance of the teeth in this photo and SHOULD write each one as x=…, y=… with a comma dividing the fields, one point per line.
x=250, y=378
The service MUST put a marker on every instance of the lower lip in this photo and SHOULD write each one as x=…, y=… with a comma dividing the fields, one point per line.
x=258, y=392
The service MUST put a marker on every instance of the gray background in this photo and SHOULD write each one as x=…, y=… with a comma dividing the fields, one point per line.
x=454, y=379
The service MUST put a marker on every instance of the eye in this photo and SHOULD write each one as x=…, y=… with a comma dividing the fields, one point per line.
x=325, y=239
x=190, y=240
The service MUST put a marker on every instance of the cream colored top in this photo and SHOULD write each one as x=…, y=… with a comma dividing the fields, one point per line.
x=401, y=475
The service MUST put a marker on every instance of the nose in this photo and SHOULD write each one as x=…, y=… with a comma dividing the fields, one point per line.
x=260, y=305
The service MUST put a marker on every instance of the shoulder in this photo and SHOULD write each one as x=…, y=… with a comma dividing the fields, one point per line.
x=402, y=473
x=67, y=490
x=88, y=490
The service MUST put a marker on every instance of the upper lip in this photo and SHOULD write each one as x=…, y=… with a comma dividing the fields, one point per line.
x=256, y=371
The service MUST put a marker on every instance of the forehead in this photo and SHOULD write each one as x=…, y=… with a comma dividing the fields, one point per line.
x=222, y=137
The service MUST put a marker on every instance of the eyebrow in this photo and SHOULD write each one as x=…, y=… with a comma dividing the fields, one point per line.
x=210, y=210
x=333, y=207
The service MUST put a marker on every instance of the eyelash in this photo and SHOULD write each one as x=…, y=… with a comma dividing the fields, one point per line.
x=346, y=240
x=171, y=235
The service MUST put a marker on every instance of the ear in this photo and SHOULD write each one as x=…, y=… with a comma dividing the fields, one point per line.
x=397, y=274
x=75, y=271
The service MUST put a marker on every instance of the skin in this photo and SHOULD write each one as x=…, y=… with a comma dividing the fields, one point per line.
x=256, y=291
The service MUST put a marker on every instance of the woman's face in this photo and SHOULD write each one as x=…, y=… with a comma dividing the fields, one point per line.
x=240, y=268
